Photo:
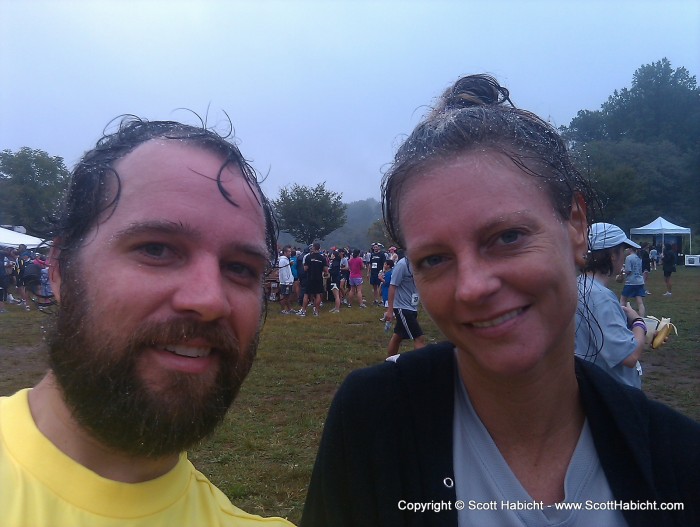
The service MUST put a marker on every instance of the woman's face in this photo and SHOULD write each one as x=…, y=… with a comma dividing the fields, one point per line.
x=495, y=265
x=617, y=256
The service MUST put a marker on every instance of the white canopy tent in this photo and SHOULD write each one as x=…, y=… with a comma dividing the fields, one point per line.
x=10, y=238
x=662, y=227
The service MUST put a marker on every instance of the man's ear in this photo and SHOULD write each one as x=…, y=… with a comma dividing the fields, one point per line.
x=54, y=269
x=578, y=229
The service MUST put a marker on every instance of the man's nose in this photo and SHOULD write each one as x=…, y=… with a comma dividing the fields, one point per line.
x=202, y=290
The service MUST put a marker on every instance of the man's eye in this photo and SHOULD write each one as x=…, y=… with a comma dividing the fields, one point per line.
x=241, y=270
x=154, y=250
x=510, y=237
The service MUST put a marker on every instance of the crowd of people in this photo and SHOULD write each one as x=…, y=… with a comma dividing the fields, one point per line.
x=24, y=280
x=314, y=276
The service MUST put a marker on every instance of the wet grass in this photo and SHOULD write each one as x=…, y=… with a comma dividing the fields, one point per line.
x=262, y=455
x=672, y=373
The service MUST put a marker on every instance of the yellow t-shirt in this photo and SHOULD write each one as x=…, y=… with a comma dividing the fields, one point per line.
x=41, y=486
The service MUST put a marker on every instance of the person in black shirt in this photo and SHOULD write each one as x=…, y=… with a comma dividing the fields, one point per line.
x=315, y=265
x=646, y=264
x=669, y=266
x=335, y=273
x=376, y=264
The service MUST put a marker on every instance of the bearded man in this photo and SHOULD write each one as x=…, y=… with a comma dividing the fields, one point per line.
x=157, y=266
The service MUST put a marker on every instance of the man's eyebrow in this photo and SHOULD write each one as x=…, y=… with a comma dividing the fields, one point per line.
x=251, y=250
x=182, y=229
x=156, y=226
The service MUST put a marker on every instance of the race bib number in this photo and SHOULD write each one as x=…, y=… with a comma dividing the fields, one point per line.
x=374, y=265
x=414, y=299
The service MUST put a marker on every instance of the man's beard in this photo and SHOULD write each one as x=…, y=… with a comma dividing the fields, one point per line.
x=96, y=369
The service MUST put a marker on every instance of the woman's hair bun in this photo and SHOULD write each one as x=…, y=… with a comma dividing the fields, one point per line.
x=473, y=90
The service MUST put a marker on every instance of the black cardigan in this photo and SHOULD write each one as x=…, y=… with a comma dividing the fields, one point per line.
x=388, y=437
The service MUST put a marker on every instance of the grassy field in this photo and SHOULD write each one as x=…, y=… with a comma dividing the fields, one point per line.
x=263, y=454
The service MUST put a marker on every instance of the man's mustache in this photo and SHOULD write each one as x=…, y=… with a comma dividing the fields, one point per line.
x=182, y=331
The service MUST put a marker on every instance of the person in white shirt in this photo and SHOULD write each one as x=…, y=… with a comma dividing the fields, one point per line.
x=286, y=279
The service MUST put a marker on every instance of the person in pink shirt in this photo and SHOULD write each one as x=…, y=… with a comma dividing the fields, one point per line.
x=356, y=264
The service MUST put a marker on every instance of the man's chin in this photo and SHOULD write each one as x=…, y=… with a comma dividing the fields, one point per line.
x=153, y=415
x=169, y=423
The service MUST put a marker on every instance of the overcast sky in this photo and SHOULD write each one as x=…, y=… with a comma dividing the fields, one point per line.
x=317, y=90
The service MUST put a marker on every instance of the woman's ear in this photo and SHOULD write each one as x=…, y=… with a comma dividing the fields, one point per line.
x=55, y=270
x=578, y=229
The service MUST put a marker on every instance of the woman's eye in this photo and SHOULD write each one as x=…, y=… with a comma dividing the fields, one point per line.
x=431, y=261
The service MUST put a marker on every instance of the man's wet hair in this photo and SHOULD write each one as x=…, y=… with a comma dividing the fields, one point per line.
x=95, y=185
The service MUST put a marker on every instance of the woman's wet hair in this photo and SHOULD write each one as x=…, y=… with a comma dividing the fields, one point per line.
x=600, y=262
x=473, y=115
x=95, y=185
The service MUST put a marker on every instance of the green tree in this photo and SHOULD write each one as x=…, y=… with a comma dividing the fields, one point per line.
x=586, y=126
x=663, y=104
x=643, y=147
x=32, y=187
x=309, y=214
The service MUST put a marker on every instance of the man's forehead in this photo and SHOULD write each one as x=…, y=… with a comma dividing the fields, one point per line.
x=164, y=152
x=179, y=181
x=156, y=163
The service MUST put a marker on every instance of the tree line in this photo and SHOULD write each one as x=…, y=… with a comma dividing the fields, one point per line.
x=32, y=186
x=641, y=149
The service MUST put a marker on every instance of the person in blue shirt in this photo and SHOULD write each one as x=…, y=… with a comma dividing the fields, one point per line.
x=634, y=280
x=609, y=334
x=295, y=273
x=385, y=279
